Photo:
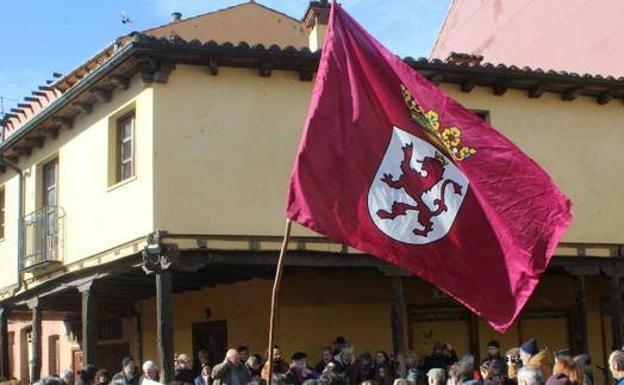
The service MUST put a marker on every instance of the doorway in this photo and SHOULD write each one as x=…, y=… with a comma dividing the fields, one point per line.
x=212, y=337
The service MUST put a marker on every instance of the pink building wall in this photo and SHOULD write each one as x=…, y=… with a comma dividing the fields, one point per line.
x=572, y=35
x=19, y=348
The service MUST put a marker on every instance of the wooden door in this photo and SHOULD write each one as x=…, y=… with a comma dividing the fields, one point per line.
x=211, y=336
x=109, y=356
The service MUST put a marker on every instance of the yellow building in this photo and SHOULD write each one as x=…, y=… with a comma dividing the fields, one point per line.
x=169, y=153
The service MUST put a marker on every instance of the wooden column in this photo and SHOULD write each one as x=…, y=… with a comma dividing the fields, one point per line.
x=138, y=337
x=35, y=360
x=580, y=330
x=89, y=324
x=4, y=343
x=164, y=321
x=616, y=310
x=397, y=321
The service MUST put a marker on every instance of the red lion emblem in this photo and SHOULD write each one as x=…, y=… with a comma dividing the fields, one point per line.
x=416, y=184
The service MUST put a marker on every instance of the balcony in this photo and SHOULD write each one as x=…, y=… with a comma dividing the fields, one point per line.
x=44, y=239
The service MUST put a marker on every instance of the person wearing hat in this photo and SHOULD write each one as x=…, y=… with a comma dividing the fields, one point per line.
x=129, y=372
x=531, y=355
x=494, y=355
x=299, y=371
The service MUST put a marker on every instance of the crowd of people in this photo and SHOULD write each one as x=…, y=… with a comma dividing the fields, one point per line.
x=340, y=365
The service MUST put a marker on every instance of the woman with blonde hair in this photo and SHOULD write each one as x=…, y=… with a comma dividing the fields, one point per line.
x=565, y=366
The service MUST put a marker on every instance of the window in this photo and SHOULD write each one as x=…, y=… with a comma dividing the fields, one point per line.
x=1, y=213
x=54, y=354
x=50, y=207
x=110, y=329
x=125, y=147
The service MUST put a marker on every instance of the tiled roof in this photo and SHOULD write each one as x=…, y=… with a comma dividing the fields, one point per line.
x=154, y=58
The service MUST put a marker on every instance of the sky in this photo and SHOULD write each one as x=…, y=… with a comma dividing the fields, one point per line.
x=44, y=36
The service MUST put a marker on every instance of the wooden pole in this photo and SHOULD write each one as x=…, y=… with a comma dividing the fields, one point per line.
x=616, y=311
x=580, y=331
x=275, y=296
x=164, y=325
x=397, y=322
x=4, y=343
x=35, y=361
x=89, y=324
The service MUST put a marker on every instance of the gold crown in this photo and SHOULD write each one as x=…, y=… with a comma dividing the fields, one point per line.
x=447, y=139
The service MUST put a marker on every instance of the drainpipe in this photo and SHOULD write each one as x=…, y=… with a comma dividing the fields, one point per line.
x=20, y=229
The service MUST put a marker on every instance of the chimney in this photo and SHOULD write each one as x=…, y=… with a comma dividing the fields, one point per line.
x=316, y=20
x=175, y=17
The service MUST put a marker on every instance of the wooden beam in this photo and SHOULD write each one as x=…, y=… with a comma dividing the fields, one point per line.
x=84, y=107
x=467, y=85
x=474, y=339
x=536, y=91
x=36, y=141
x=35, y=361
x=138, y=334
x=571, y=94
x=5, y=370
x=213, y=66
x=580, y=330
x=162, y=74
x=306, y=74
x=101, y=94
x=53, y=131
x=120, y=82
x=65, y=123
x=22, y=150
x=164, y=322
x=398, y=320
x=499, y=89
x=605, y=97
x=616, y=311
x=147, y=77
x=265, y=69
x=89, y=324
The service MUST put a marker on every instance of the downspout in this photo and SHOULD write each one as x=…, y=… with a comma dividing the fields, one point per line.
x=20, y=229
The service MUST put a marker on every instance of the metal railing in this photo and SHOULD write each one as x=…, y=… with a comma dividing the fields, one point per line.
x=44, y=236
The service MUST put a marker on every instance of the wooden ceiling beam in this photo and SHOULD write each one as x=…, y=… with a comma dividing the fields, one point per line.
x=120, y=82
x=84, y=107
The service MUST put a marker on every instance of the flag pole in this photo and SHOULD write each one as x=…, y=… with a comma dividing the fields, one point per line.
x=275, y=296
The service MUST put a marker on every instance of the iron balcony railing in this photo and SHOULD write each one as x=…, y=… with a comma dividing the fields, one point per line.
x=44, y=237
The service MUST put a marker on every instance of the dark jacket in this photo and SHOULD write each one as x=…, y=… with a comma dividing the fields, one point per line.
x=295, y=376
x=439, y=361
x=223, y=373
x=185, y=376
x=351, y=373
x=199, y=380
x=122, y=379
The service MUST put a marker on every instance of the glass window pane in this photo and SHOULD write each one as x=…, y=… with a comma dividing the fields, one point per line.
x=126, y=170
x=126, y=151
x=126, y=129
x=51, y=197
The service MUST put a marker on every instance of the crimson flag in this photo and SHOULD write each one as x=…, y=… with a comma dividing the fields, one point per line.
x=393, y=167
